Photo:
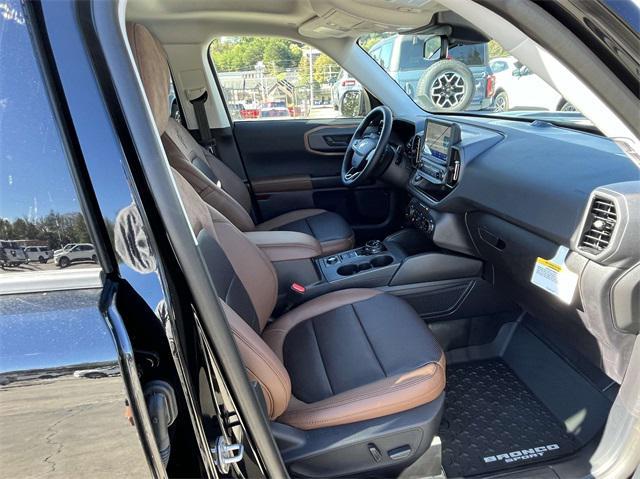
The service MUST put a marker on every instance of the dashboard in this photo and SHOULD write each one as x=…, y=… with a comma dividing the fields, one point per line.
x=513, y=192
x=539, y=176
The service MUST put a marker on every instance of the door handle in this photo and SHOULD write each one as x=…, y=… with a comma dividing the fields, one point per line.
x=336, y=140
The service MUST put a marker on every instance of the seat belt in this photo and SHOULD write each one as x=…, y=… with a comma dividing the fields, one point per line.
x=201, y=118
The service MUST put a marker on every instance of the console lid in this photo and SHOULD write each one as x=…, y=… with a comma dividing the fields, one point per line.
x=285, y=245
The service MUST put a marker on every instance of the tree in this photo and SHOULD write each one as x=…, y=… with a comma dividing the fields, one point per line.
x=303, y=71
x=496, y=50
x=368, y=41
x=295, y=50
x=325, y=69
x=242, y=53
x=6, y=229
x=278, y=56
x=53, y=230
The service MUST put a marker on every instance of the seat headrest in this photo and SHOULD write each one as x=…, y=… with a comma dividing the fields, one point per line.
x=153, y=67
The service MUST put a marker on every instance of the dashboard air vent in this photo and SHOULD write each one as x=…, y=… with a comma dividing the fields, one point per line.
x=599, y=225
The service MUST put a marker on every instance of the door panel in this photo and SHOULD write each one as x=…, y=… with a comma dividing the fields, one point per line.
x=276, y=148
x=294, y=164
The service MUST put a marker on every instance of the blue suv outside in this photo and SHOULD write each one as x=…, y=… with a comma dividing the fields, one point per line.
x=402, y=56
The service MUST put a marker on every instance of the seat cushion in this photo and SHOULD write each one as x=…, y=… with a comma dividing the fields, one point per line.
x=353, y=355
x=330, y=229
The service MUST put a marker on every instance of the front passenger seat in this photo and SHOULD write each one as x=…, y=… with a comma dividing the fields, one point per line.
x=354, y=376
x=215, y=182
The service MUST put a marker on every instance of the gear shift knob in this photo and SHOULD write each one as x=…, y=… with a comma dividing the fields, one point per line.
x=373, y=247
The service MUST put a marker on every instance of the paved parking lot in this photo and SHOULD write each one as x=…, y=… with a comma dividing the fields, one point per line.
x=34, y=266
x=68, y=427
x=323, y=111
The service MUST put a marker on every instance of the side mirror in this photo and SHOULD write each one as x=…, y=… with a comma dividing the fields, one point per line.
x=515, y=72
x=352, y=104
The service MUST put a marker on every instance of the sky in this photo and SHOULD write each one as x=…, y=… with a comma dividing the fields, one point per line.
x=34, y=177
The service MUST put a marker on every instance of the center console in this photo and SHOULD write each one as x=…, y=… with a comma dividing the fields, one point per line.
x=373, y=263
x=378, y=264
x=411, y=257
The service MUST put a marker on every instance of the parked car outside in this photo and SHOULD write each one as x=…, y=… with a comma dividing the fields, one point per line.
x=344, y=83
x=38, y=253
x=277, y=108
x=243, y=111
x=235, y=110
x=11, y=254
x=79, y=252
x=402, y=56
x=66, y=247
x=249, y=111
x=518, y=88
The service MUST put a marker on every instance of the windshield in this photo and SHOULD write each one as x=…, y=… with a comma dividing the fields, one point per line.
x=482, y=77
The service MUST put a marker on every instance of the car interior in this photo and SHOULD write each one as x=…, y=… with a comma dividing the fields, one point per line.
x=447, y=295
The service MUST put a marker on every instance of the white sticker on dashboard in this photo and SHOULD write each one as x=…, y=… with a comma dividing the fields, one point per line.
x=554, y=276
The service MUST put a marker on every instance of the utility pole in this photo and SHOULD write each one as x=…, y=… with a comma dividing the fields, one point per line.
x=310, y=79
x=260, y=69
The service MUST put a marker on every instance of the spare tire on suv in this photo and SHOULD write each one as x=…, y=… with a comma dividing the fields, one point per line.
x=447, y=85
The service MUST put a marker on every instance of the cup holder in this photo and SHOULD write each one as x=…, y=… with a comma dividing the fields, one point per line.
x=350, y=269
x=380, y=261
x=377, y=262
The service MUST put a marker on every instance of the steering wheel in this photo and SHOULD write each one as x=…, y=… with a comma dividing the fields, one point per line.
x=367, y=147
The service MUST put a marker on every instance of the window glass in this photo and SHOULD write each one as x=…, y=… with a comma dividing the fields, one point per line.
x=480, y=77
x=385, y=55
x=39, y=207
x=264, y=78
x=375, y=54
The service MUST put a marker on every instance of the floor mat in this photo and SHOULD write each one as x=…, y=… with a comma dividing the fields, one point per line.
x=492, y=422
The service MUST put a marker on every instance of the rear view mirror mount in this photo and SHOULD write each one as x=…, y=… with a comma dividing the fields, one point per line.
x=452, y=29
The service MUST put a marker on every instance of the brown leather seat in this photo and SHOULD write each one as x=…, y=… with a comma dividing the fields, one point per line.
x=341, y=358
x=353, y=355
x=216, y=183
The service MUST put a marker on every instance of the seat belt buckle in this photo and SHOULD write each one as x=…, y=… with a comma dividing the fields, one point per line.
x=297, y=288
x=294, y=296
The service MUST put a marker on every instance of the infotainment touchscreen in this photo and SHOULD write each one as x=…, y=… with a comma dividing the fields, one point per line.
x=438, y=139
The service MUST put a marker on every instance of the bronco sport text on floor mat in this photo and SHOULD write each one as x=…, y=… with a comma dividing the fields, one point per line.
x=492, y=421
